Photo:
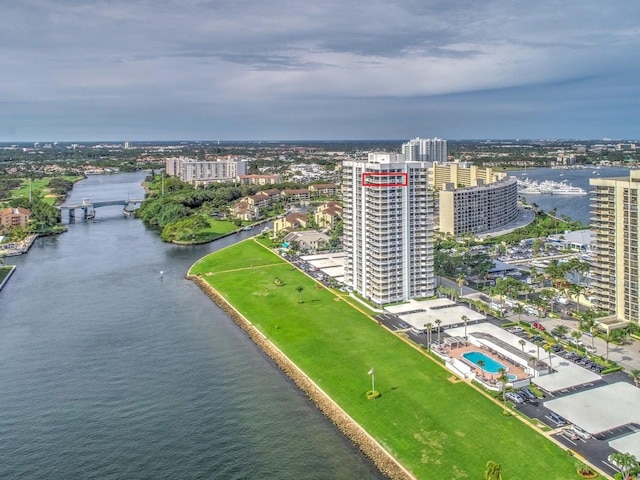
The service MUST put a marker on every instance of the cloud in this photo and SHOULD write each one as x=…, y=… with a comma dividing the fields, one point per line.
x=319, y=59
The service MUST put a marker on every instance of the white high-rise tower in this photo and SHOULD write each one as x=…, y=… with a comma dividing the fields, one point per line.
x=388, y=228
x=425, y=150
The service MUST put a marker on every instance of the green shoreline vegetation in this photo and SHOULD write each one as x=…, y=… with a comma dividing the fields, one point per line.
x=435, y=427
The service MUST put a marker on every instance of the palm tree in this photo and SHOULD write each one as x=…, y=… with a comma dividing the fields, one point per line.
x=481, y=365
x=547, y=348
x=428, y=327
x=493, y=471
x=460, y=281
x=560, y=330
x=465, y=319
x=519, y=309
x=504, y=379
x=539, y=344
x=589, y=324
x=608, y=338
x=625, y=462
x=576, y=290
x=635, y=374
x=300, y=289
x=577, y=335
x=522, y=343
x=438, y=322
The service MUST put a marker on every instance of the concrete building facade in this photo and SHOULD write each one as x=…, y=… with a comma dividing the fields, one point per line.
x=479, y=208
x=425, y=150
x=615, y=268
x=14, y=218
x=462, y=174
x=388, y=228
x=199, y=172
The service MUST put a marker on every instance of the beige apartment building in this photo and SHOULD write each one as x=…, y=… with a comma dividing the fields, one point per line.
x=473, y=199
x=462, y=174
x=202, y=172
x=478, y=209
x=615, y=278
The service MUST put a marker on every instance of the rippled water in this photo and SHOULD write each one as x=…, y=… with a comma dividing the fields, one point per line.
x=574, y=206
x=109, y=370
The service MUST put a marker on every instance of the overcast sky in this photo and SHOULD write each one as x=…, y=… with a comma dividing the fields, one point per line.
x=321, y=69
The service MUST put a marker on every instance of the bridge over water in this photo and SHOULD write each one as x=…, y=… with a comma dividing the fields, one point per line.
x=89, y=208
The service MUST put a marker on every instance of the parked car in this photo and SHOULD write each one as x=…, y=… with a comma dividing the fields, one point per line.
x=539, y=326
x=581, y=433
x=557, y=419
x=514, y=398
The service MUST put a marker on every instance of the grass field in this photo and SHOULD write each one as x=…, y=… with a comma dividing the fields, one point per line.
x=437, y=428
x=4, y=272
x=216, y=229
x=38, y=184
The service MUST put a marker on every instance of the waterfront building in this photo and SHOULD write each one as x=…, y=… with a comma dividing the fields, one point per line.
x=615, y=277
x=198, y=172
x=461, y=174
x=472, y=199
x=388, y=228
x=14, y=217
x=478, y=209
x=425, y=150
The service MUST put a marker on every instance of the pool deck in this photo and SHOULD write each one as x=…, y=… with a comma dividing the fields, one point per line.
x=511, y=368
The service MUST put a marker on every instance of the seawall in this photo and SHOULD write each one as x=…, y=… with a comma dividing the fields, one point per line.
x=6, y=279
x=385, y=463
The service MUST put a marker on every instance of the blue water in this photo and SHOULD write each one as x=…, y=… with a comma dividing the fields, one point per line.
x=575, y=207
x=490, y=365
x=109, y=370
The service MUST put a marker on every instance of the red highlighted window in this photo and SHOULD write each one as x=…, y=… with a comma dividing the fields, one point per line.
x=385, y=179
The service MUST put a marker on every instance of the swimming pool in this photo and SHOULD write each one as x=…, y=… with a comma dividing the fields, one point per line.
x=490, y=365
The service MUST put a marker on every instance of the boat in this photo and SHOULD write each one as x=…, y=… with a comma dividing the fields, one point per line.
x=548, y=187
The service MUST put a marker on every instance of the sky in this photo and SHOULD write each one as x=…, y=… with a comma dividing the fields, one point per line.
x=318, y=70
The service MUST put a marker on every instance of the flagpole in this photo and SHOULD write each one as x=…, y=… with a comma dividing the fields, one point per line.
x=373, y=388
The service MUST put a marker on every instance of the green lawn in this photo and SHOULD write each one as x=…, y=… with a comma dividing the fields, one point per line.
x=216, y=229
x=38, y=184
x=436, y=428
x=4, y=272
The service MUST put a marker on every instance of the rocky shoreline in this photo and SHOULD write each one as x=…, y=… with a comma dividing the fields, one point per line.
x=385, y=463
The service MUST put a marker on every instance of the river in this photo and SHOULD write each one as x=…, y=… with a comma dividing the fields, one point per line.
x=112, y=370
x=574, y=206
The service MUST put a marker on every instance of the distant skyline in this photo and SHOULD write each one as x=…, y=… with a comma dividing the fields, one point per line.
x=291, y=70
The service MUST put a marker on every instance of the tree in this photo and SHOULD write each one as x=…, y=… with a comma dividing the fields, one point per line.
x=577, y=335
x=590, y=325
x=504, y=379
x=635, y=374
x=428, y=327
x=460, y=281
x=522, y=344
x=300, y=289
x=539, y=344
x=438, y=322
x=560, y=331
x=625, y=463
x=481, y=364
x=519, y=309
x=547, y=348
x=608, y=338
x=493, y=471
x=547, y=295
x=465, y=319
x=575, y=290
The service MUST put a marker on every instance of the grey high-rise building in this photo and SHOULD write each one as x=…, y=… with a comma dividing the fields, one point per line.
x=388, y=228
x=425, y=150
